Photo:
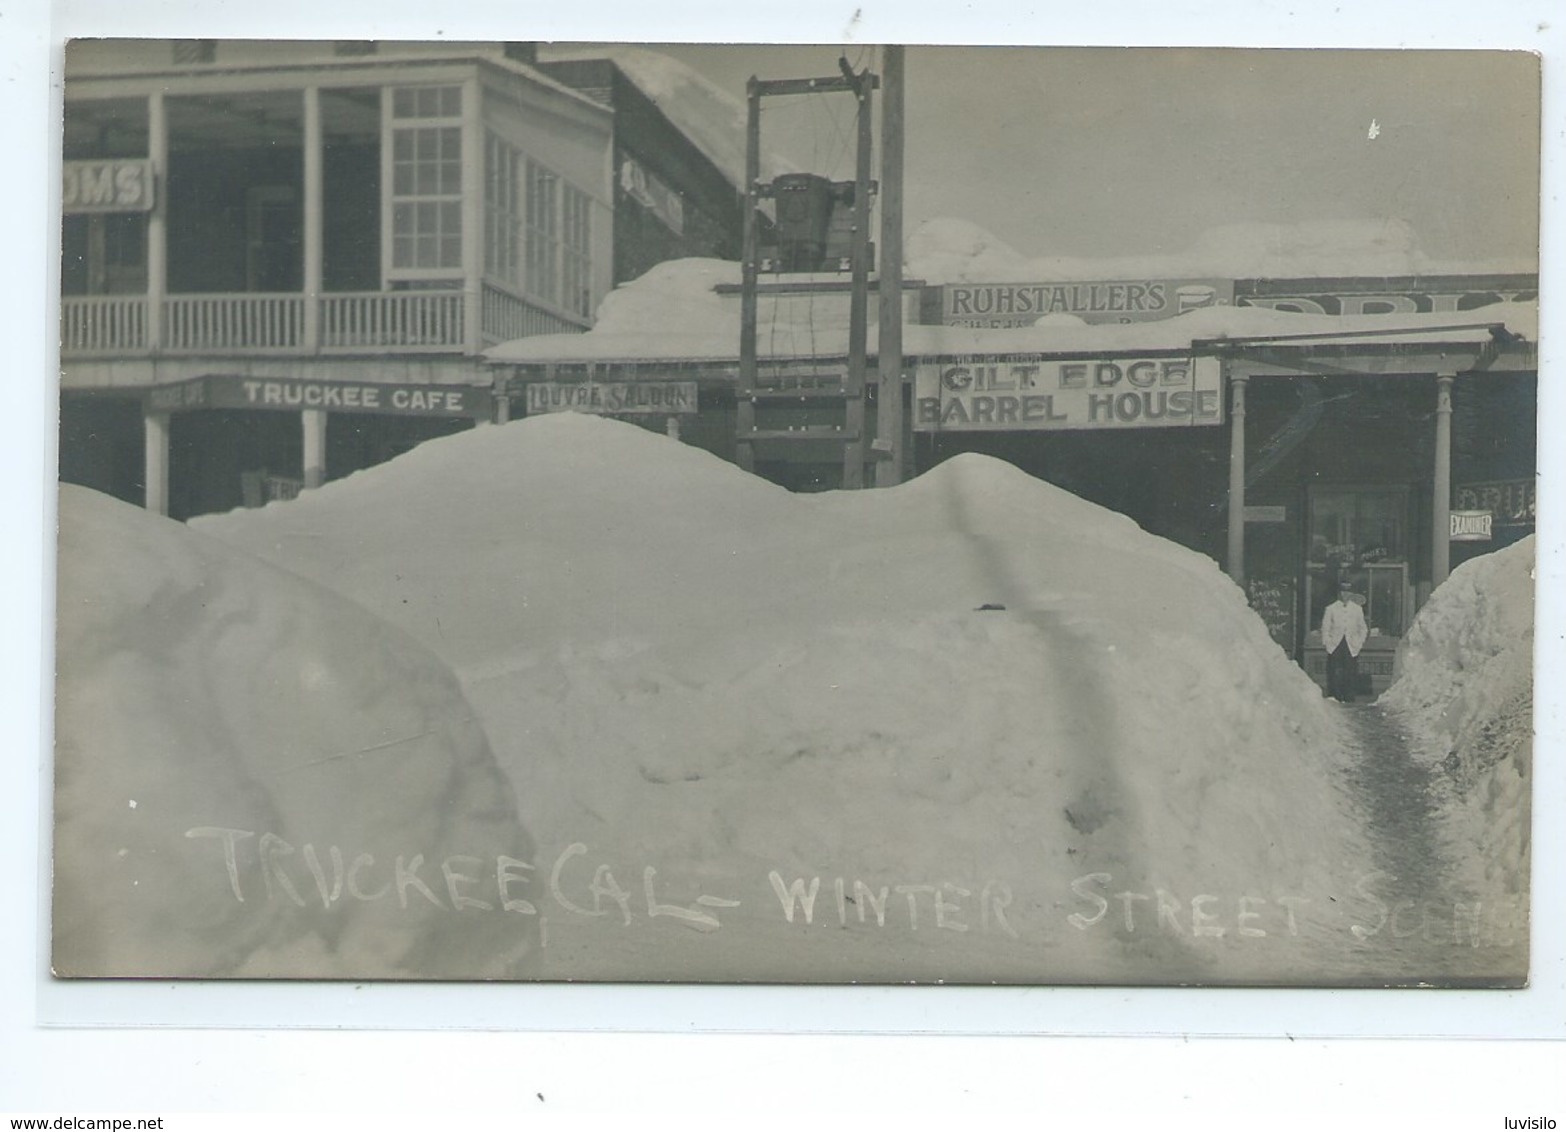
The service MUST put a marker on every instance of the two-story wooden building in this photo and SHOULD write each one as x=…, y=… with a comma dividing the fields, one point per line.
x=282, y=261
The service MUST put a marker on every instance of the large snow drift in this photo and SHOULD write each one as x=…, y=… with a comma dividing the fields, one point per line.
x=1466, y=689
x=231, y=742
x=970, y=727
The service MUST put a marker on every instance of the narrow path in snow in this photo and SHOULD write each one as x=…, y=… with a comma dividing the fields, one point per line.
x=1429, y=925
x=1396, y=793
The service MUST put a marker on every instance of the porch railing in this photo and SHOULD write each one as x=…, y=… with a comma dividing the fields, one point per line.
x=402, y=320
x=195, y=323
x=103, y=324
x=366, y=321
x=505, y=316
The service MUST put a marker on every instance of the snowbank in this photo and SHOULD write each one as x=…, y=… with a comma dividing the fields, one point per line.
x=230, y=741
x=722, y=700
x=1465, y=687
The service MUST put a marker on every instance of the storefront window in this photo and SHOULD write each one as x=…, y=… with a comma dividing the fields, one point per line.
x=1360, y=535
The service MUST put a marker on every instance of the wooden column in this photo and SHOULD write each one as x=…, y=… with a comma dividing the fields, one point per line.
x=745, y=388
x=889, y=352
x=472, y=218
x=156, y=429
x=312, y=218
x=1441, y=490
x=157, y=220
x=1236, y=563
x=314, y=424
x=859, y=297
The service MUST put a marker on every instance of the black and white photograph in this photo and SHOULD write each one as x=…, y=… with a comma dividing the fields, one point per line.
x=783, y=514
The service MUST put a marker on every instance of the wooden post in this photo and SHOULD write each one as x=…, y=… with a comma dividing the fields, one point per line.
x=1441, y=490
x=157, y=222
x=1236, y=563
x=859, y=297
x=155, y=427
x=312, y=219
x=889, y=352
x=744, y=392
x=472, y=218
x=313, y=421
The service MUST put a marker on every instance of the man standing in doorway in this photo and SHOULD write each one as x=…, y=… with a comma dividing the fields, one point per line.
x=1343, y=634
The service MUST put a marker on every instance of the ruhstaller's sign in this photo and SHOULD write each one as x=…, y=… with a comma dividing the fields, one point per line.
x=612, y=397
x=1005, y=394
x=995, y=305
x=106, y=186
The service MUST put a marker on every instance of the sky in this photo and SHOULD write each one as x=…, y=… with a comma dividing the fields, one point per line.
x=1124, y=151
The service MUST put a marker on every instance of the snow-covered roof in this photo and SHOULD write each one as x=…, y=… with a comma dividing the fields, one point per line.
x=673, y=313
x=711, y=117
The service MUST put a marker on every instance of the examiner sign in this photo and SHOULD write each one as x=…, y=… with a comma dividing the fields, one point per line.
x=1004, y=394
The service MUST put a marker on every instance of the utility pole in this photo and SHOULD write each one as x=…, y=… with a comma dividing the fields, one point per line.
x=891, y=427
x=851, y=395
x=859, y=293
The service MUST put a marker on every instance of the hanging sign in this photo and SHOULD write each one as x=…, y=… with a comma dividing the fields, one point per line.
x=999, y=305
x=230, y=392
x=106, y=186
x=611, y=397
x=1016, y=393
x=1471, y=526
x=1510, y=501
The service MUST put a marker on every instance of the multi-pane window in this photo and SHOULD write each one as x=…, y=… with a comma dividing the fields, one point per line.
x=426, y=194
x=502, y=211
x=537, y=230
x=576, y=276
x=543, y=232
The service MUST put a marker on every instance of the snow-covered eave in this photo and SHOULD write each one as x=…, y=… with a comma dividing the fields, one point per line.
x=1510, y=328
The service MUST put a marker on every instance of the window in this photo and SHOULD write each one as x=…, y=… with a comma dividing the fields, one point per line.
x=426, y=194
x=537, y=230
x=543, y=232
x=576, y=276
x=502, y=211
x=354, y=47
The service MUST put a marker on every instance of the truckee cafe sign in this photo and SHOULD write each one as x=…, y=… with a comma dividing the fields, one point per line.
x=1000, y=305
x=1041, y=394
x=231, y=392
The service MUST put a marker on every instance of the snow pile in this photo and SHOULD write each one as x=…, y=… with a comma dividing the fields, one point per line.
x=1465, y=686
x=958, y=251
x=230, y=741
x=974, y=682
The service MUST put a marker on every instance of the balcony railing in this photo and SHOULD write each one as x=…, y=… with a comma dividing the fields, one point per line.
x=352, y=322
x=201, y=323
x=103, y=324
x=399, y=320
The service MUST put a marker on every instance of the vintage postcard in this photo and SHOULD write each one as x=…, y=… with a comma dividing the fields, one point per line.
x=758, y=514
